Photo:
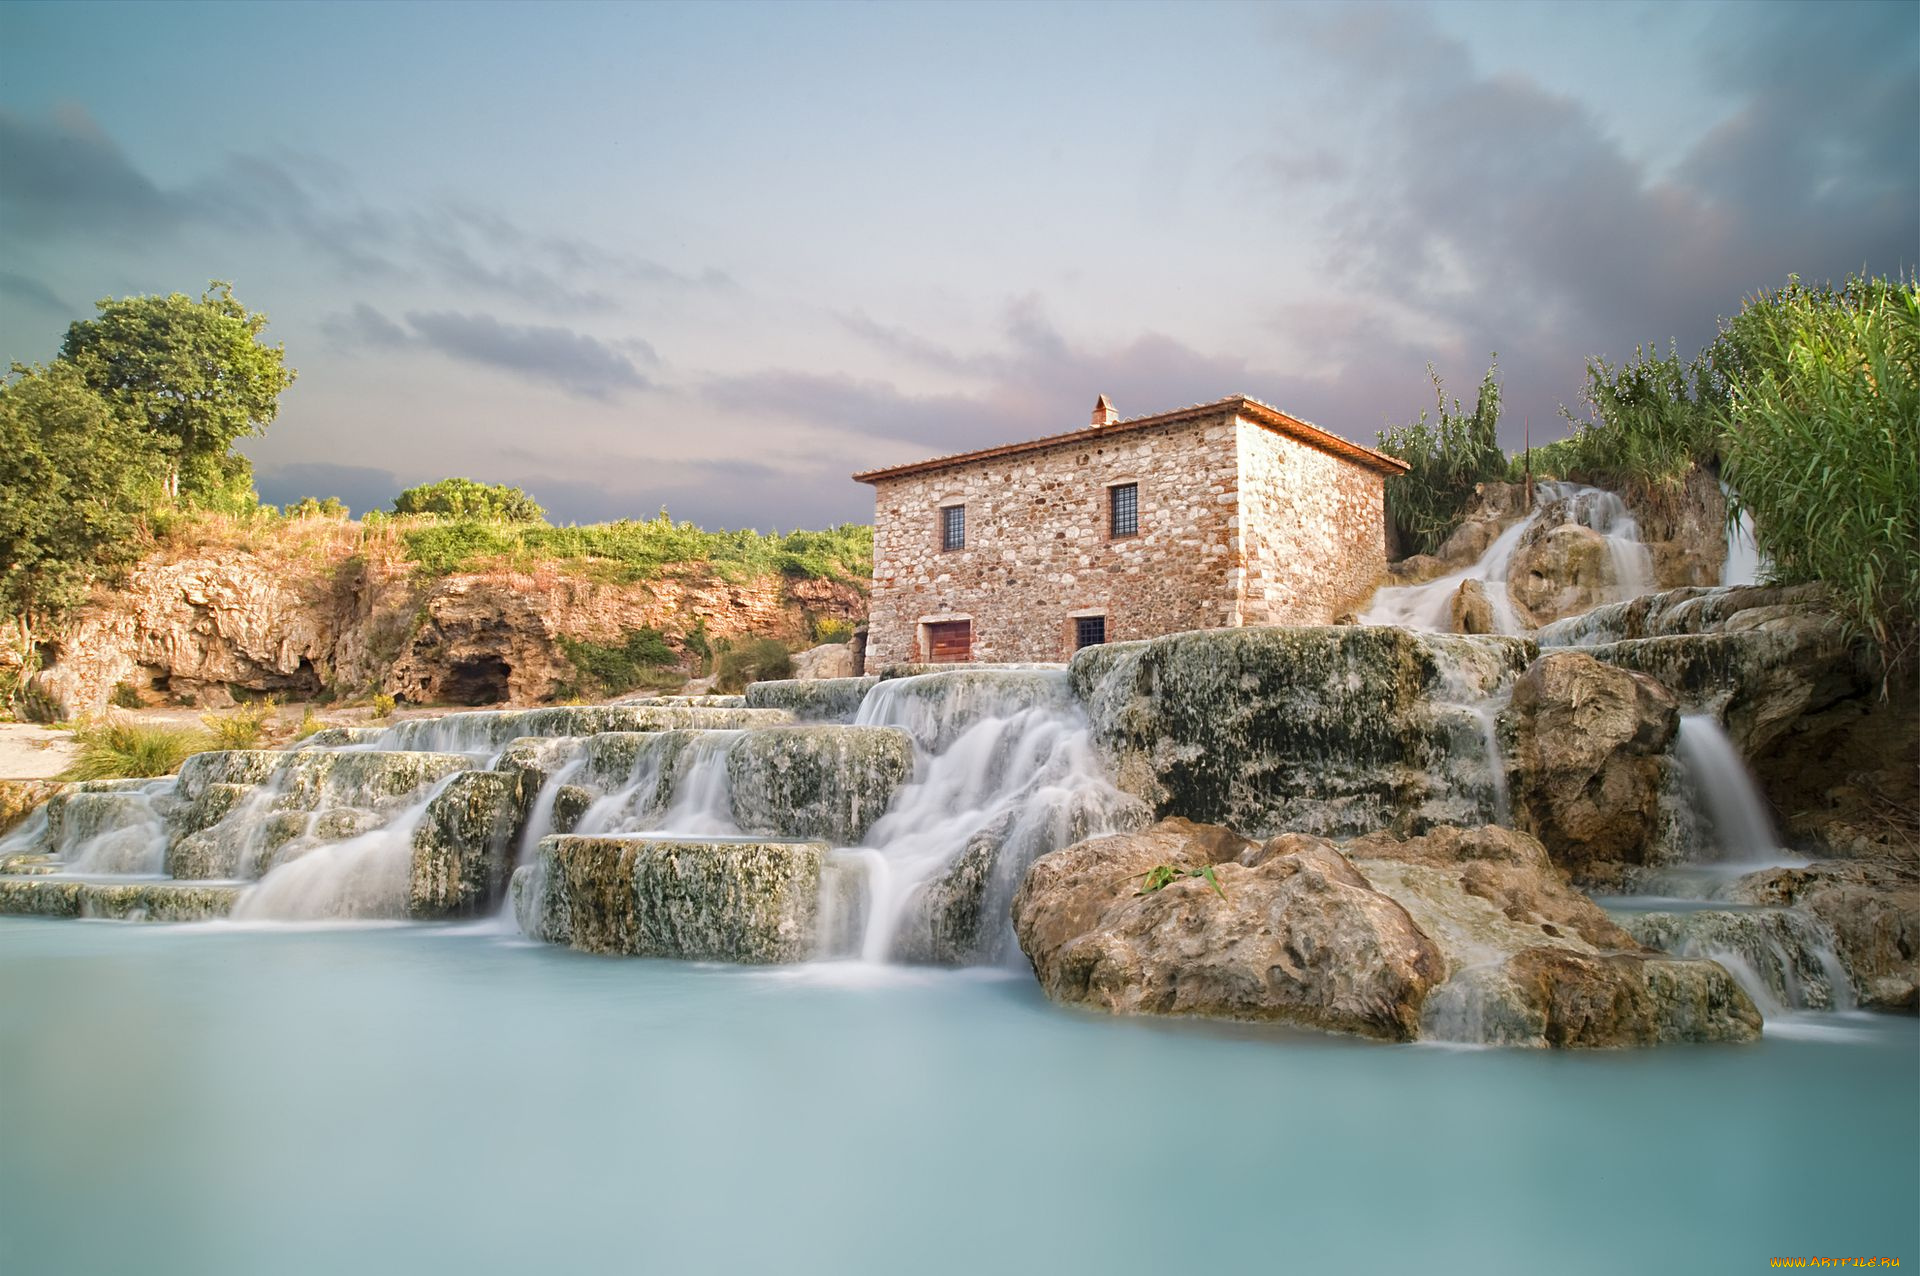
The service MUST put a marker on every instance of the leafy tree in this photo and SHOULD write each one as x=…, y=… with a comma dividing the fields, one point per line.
x=193, y=375
x=464, y=498
x=74, y=480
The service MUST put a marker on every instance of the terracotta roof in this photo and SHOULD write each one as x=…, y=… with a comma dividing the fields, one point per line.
x=1254, y=410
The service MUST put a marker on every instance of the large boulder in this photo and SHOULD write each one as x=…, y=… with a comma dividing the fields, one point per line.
x=1331, y=730
x=1299, y=936
x=1587, y=760
x=463, y=847
x=1464, y=935
x=1530, y=960
x=1559, y=570
x=1471, y=611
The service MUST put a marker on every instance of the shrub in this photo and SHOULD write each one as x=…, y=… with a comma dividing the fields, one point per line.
x=831, y=629
x=464, y=498
x=756, y=660
x=1651, y=422
x=314, y=507
x=1823, y=446
x=124, y=696
x=1448, y=456
x=240, y=728
x=383, y=705
x=631, y=550
x=642, y=659
x=124, y=749
x=310, y=724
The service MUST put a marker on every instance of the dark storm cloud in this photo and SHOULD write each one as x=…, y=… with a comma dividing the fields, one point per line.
x=64, y=175
x=1034, y=382
x=362, y=488
x=32, y=292
x=1506, y=216
x=581, y=365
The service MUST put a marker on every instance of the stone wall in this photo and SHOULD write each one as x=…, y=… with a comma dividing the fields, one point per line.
x=1037, y=549
x=1238, y=525
x=1313, y=531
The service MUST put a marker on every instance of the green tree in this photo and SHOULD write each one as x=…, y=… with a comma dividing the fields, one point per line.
x=193, y=375
x=464, y=498
x=74, y=480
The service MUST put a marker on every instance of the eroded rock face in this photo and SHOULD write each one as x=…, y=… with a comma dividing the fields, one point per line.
x=1300, y=937
x=738, y=901
x=830, y=782
x=294, y=619
x=828, y=660
x=816, y=700
x=116, y=901
x=1587, y=760
x=1336, y=731
x=1872, y=909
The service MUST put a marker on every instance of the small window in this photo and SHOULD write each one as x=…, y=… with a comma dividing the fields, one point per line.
x=1089, y=631
x=1123, y=517
x=953, y=527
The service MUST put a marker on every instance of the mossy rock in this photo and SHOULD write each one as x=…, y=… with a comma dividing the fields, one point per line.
x=813, y=699
x=226, y=767
x=120, y=901
x=463, y=848
x=1335, y=730
x=829, y=782
x=746, y=901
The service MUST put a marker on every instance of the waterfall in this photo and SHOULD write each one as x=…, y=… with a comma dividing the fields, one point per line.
x=1426, y=606
x=1742, y=830
x=1743, y=564
x=998, y=778
x=365, y=876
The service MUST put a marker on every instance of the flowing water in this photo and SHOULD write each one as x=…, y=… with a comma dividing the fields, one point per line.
x=1426, y=606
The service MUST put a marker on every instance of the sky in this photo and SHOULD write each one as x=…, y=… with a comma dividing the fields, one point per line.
x=718, y=257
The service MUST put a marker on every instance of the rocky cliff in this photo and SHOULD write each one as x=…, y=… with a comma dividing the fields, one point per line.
x=333, y=611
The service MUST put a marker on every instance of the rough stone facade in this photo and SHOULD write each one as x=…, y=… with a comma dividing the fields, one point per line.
x=1245, y=516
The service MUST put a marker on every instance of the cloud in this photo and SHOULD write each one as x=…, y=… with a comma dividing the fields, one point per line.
x=1494, y=212
x=31, y=291
x=580, y=365
x=64, y=175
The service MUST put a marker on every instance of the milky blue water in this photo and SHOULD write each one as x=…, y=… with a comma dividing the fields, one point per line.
x=212, y=1100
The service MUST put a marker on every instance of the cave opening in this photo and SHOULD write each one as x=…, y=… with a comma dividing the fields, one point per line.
x=482, y=680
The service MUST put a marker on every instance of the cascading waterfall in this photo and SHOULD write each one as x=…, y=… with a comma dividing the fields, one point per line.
x=1742, y=831
x=997, y=776
x=1425, y=607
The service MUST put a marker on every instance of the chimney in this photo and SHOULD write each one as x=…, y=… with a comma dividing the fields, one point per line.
x=1103, y=412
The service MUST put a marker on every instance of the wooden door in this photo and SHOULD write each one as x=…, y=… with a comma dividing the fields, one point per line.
x=950, y=641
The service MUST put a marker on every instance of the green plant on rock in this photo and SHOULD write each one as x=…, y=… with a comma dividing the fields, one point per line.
x=1447, y=455
x=1161, y=876
x=124, y=696
x=643, y=658
x=756, y=660
x=1823, y=446
x=125, y=749
x=833, y=629
x=383, y=705
x=310, y=723
x=239, y=728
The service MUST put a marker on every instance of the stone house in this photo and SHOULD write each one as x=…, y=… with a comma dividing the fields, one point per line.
x=1224, y=514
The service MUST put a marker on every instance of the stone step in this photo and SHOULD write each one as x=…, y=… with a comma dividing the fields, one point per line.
x=747, y=900
x=145, y=901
